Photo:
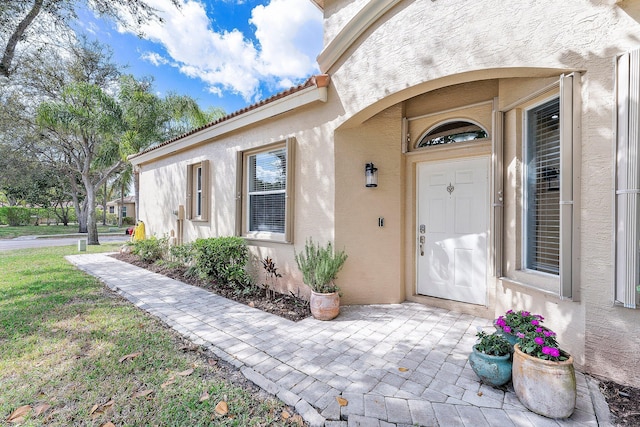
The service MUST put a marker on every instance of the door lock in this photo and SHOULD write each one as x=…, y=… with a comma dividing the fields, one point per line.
x=422, y=240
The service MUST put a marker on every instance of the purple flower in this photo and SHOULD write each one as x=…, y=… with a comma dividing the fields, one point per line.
x=507, y=329
x=551, y=351
x=538, y=330
x=535, y=322
x=500, y=321
x=525, y=314
x=539, y=340
x=520, y=335
x=509, y=312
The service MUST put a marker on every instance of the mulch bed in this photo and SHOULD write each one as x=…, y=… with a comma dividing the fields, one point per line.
x=623, y=401
x=286, y=306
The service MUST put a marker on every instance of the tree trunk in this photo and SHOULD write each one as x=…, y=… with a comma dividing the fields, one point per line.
x=121, y=207
x=104, y=204
x=10, y=48
x=92, y=226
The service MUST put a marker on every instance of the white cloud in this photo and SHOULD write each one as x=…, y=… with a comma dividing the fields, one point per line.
x=155, y=58
x=289, y=33
x=284, y=29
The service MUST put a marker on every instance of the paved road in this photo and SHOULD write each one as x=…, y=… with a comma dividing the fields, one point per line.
x=33, y=242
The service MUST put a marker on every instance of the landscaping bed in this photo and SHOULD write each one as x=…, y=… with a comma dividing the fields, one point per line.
x=286, y=306
x=623, y=401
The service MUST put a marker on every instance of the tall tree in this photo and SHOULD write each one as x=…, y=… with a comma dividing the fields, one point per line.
x=84, y=124
x=150, y=119
x=19, y=17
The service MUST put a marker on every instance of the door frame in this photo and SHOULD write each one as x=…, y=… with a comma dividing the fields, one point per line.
x=450, y=152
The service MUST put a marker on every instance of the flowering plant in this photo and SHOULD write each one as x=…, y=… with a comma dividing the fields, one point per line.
x=534, y=339
x=493, y=345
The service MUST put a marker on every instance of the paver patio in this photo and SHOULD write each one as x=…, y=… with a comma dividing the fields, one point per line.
x=396, y=365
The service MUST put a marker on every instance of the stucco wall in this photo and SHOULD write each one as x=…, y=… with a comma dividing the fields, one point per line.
x=424, y=45
x=406, y=64
x=373, y=273
x=163, y=189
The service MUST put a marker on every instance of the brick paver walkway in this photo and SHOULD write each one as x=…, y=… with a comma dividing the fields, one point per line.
x=396, y=365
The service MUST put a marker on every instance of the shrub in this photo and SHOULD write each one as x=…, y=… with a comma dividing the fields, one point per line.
x=15, y=215
x=223, y=259
x=151, y=249
x=127, y=220
x=182, y=254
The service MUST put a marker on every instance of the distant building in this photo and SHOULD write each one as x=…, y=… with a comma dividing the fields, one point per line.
x=126, y=209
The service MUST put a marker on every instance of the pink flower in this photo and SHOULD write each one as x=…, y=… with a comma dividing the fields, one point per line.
x=539, y=340
x=538, y=330
x=535, y=322
x=507, y=329
x=551, y=351
x=525, y=314
x=500, y=321
x=520, y=335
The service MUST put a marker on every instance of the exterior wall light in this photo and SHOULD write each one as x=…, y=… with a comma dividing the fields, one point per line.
x=371, y=175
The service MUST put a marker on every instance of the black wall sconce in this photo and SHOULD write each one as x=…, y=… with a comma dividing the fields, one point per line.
x=371, y=175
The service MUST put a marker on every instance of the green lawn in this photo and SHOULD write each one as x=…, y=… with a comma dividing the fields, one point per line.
x=48, y=230
x=77, y=354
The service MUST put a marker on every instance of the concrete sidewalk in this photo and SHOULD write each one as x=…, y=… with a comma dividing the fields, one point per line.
x=396, y=365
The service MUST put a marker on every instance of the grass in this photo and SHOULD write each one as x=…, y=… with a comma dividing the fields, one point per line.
x=7, y=232
x=63, y=337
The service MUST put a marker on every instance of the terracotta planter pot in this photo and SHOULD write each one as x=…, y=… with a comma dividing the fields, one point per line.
x=545, y=387
x=324, y=306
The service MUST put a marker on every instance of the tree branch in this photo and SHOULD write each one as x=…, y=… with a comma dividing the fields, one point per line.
x=10, y=49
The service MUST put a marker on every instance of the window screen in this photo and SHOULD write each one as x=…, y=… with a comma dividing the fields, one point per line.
x=542, y=185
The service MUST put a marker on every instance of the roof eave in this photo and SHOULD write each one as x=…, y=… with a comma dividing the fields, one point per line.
x=293, y=101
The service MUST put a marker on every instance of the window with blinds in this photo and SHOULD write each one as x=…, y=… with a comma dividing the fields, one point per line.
x=542, y=185
x=267, y=188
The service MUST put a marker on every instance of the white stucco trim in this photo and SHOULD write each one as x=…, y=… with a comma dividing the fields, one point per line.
x=272, y=109
x=369, y=14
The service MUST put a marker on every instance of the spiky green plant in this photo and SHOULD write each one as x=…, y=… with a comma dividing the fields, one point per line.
x=320, y=266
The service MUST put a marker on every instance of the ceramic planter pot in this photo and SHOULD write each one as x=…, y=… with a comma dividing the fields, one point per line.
x=513, y=340
x=492, y=370
x=545, y=387
x=324, y=306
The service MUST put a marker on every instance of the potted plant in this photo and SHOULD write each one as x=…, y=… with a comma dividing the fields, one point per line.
x=491, y=359
x=543, y=376
x=319, y=266
x=516, y=323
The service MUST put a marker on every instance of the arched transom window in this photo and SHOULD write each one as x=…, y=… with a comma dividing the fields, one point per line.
x=450, y=132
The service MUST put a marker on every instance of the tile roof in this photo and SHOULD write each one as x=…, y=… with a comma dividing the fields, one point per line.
x=321, y=80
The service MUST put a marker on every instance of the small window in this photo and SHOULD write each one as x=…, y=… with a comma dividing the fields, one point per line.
x=452, y=132
x=266, y=184
x=124, y=212
x=198, y=191
x=542, y=184
x=112, y=209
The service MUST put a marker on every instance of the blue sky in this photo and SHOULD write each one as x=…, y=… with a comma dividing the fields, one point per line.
x=226, y=53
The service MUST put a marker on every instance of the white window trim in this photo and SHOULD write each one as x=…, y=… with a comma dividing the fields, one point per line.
x=242, y=194
x=627, y=197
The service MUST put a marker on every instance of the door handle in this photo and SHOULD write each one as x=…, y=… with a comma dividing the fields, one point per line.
x=422, y=239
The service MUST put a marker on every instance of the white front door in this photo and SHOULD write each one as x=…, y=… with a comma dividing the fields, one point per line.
x=452, y=229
